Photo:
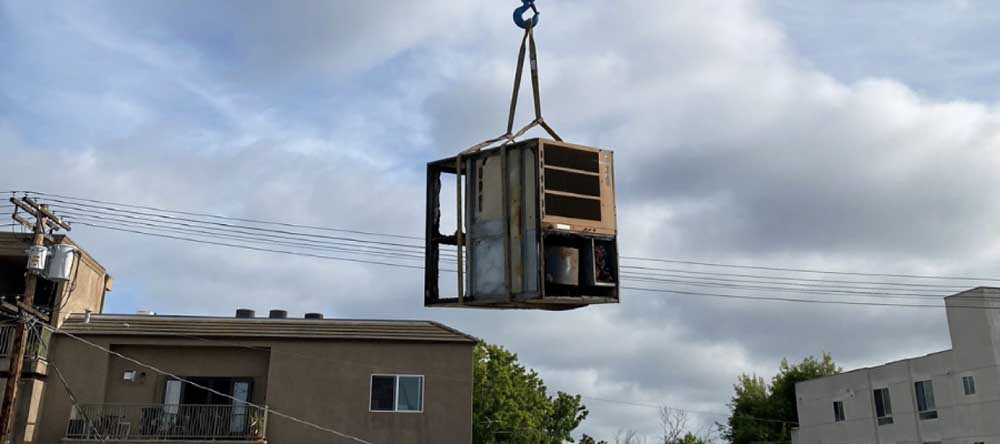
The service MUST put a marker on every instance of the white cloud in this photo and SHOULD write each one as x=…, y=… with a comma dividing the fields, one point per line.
x=730, y=146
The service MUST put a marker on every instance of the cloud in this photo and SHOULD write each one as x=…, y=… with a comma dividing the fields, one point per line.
x=731, y=146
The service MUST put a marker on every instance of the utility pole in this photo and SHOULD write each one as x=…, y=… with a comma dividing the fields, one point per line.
x=43, y=219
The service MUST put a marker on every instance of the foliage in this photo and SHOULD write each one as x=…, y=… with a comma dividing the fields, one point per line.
x=511, y=404
x=587, y=439
x=690, y=438
x=755, y=400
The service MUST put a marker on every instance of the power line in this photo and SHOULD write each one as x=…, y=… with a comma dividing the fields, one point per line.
x=69, y=200
x=638, y=276
x=314, y=357
x=248, y=247
x=208, y=389
x=789, y=278
x=327, y=246
x=814, y=301
x=57, y=197
x=791, y=290
x=69, y=391
x=181, y=220
x=694, y=412
x=806, y=270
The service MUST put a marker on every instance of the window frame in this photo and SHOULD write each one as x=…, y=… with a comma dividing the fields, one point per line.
x=839, y=414
x=969, y=385
x=884, y=395
x=395, y=392
x=929, y=410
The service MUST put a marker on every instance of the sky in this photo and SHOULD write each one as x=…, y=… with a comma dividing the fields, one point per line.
x=852, y=136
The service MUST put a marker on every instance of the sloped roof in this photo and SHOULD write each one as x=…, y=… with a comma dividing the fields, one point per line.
x=205, y=327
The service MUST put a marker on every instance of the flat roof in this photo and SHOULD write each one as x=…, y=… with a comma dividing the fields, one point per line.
x=289, y=328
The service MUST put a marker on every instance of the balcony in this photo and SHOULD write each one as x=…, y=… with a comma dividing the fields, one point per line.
x=166, y=423
x=31, y=354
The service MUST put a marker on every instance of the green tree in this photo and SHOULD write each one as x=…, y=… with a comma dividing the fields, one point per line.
x=766, y=413
x=510, y=403
x=690, y=438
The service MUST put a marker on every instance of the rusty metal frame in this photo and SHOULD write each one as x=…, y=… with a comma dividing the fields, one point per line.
x=459, y=165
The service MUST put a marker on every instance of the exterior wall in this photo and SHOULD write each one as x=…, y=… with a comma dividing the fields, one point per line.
x=962, y=419
x=321, y=381
x=185, y=361
x=337, y=393
x=86, y=292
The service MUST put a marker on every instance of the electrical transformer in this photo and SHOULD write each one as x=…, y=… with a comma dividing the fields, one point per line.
x=60, y=264
x=536, y=228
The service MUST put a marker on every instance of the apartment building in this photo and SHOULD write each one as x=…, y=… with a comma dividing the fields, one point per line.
x=145, y=377
x=85, y=291
x=948, y=397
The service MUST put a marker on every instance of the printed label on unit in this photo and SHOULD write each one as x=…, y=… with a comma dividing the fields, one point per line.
x=563, y=227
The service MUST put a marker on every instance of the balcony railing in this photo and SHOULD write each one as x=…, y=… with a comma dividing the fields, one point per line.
x=160, y=422
x=7, y=343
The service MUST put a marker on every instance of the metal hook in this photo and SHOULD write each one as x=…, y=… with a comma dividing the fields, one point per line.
x=519, y=15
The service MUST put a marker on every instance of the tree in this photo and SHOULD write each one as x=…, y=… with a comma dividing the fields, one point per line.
x=628, y=436
x=765, y=413
x=675, y=428
x=510, y=403
x=587, y=439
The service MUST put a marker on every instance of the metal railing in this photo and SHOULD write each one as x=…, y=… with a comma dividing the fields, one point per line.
x=140, y=422
x=7, y=343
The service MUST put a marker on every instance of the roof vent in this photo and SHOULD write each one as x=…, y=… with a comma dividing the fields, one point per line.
x=314, y=316
x=244, y=313
x=145, y=313
x=278, y=314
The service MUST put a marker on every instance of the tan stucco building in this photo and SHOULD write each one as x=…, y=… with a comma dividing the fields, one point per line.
x=189, y=379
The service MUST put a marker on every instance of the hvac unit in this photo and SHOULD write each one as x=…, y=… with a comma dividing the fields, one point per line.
x=536, y=223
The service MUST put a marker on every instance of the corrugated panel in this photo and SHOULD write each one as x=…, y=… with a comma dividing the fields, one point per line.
x=141, y=325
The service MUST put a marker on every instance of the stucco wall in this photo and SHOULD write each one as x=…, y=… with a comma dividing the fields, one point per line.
x=962, y=419
x=326, y=382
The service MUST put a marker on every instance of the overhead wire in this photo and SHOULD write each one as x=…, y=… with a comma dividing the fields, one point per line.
x=814, y=301
x=55, y=197
x=79, y=201
x=755, y=283
x=339, y=361
x=808, y=270
x=325, y=246
x=249, y=247
x=62, y=379
x=209, y=389
x=791, y=278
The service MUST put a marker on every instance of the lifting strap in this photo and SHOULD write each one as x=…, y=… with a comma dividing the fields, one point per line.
x=527, y=45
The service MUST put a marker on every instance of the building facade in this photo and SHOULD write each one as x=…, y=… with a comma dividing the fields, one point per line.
x=85, y=291
x=94, y=378
x=236, y=379
x=948, y=397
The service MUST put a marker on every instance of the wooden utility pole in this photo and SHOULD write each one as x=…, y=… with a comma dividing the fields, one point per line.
x=43, y=219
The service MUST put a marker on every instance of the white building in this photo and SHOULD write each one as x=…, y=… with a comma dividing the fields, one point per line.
x=949, y=397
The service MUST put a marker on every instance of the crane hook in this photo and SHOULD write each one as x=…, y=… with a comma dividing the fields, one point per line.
x=519, y=15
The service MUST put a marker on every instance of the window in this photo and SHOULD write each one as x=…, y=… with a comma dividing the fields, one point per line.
x=969, y=385
x=925, y=399
x=172, y=397
x=883, y=406
x=838, y=411
x=397, y=393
